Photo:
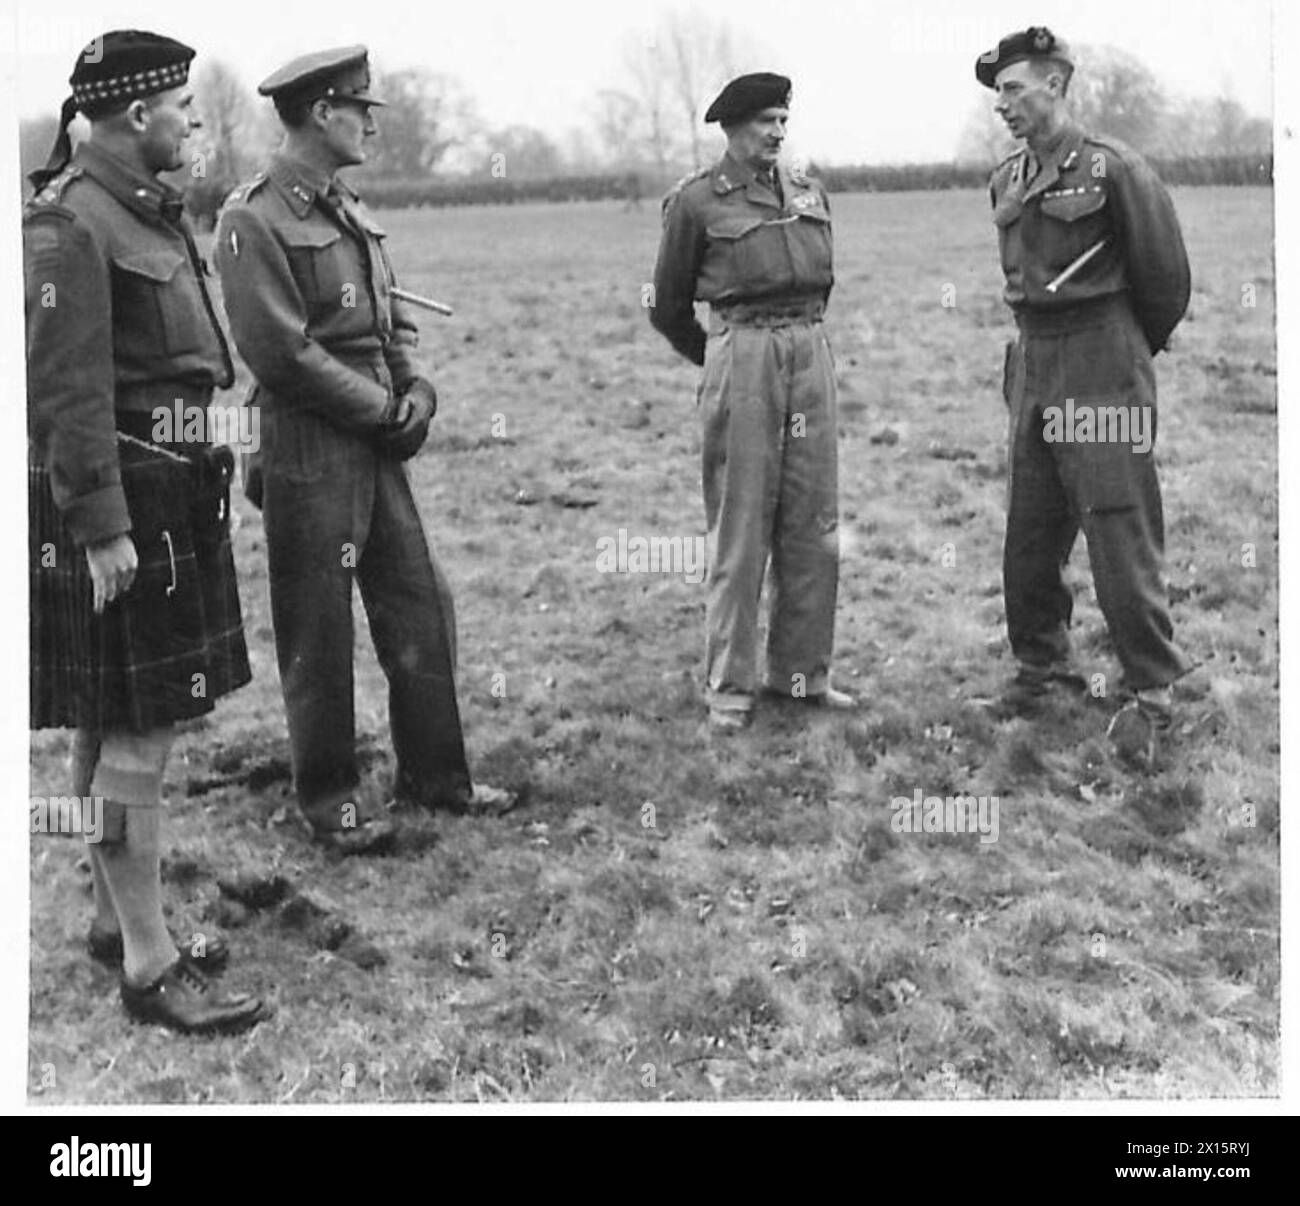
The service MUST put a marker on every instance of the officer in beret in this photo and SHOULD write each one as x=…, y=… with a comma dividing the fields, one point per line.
x=307, y=285
x=1097, y=278
x=135, y=619
x=752, y=237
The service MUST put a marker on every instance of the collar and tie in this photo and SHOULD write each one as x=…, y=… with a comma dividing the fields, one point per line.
x=339, y=207
x=773, y=182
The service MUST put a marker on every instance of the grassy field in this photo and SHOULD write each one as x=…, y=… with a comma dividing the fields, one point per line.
x=761, y=931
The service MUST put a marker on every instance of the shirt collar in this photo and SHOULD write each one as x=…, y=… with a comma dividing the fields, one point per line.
x=144, y=194
x=733, y=173
x=1055, y=158
x=300, y=183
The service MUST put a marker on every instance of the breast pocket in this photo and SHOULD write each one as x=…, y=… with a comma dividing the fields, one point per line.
x=156, y=304
x=326, y=274
x=752, y=253
x=1075, y=221
x=811, y=250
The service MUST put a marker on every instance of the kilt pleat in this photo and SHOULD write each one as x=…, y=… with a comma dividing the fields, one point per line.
x=174, y=643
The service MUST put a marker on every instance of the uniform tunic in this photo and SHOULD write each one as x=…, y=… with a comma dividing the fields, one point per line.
x=762, y=257
x=306, y=282
x=119, y=321
x=1087, y=346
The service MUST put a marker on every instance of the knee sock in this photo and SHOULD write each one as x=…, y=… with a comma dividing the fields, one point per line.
x=129, y=776
x=83, y=759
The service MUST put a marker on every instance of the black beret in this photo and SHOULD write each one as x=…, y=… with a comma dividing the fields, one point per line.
x=128, y=63
x=749, y=94
x=343, y=72
x=1036, y=42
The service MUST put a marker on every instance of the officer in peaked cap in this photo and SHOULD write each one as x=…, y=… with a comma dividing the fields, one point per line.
x=752, y=237
x=1097, y=278
x=341, y=74
x=135, y=618
x=344, y=402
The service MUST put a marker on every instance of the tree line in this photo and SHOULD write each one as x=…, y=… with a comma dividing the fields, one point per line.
x=435, y=149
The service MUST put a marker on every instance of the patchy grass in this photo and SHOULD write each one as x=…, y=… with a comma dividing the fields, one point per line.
x=674, y=916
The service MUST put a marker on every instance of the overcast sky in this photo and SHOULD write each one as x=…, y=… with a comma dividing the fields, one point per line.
x=883, y=81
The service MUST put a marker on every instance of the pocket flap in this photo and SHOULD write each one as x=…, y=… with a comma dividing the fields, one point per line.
x=158, y=266
x=733, y=228
x=1069, y=205
x=302, y=235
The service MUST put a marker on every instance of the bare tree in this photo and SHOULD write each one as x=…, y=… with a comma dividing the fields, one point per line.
x=426, y=114
x=236, y=137
x=701, y=56
x=580, y=157
x=628, y=135
x=675, y=70
x=648, y=76
x=229, y=137
x=520, y=153
x=985, y=140
x=1114, y=92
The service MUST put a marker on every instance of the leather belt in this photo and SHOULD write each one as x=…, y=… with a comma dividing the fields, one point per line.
x=769, y=312
x=146, y=396
x=1080, y=316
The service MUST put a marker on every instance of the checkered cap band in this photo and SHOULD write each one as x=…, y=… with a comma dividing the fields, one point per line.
x=128, y=87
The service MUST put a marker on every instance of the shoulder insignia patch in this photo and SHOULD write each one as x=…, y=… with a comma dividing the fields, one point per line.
x=799, y=172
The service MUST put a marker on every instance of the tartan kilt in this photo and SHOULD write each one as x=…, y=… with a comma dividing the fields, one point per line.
x=173, y=644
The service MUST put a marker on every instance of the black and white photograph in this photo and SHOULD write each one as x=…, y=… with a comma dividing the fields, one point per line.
x=684, y=556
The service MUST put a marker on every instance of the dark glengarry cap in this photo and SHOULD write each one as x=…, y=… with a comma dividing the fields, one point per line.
x=128, y=63
x=343, y=73
x=117, y=67
x=1036, y=42
x=747, y=95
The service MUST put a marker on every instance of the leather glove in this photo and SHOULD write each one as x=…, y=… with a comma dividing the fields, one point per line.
x=405, y=432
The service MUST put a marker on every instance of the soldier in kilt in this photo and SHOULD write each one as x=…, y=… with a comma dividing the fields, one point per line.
x=135, y=620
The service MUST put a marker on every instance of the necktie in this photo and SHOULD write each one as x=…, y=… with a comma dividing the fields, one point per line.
x=772, y=180
x=342, y=211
